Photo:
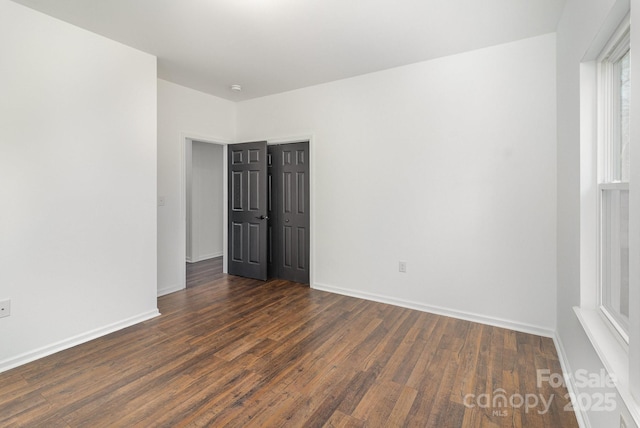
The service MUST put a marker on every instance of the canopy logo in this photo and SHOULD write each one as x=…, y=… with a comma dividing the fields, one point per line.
x=500, y=402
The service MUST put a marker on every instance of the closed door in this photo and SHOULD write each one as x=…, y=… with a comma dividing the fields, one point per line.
x=289, y=220
x=247, y=232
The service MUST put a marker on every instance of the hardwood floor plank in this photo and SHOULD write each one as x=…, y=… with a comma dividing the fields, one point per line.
x=22, y=421
x=205, y=405
x=438, y=415
x=396, y=333
x=314, y=404
x=468, y=356
x=232, y=351
x=183, y=396
x=413, y=354
x=398, y=368
x=428, y=390
x=376, y=406
x=421, y=370
x=400, y=410
x=14, y=386
x=340, y=420
x=20, y=405
x=328, y=407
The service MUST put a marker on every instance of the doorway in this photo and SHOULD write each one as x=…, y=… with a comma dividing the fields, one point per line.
x=204, y=201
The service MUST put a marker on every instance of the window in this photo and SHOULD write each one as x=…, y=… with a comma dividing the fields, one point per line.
x=613, y=181
x=610, y=206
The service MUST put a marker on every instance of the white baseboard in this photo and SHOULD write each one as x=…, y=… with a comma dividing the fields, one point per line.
x=581, y=415
x=204, y=257
x=467, y=316
x=30, y=356
x=170, y=289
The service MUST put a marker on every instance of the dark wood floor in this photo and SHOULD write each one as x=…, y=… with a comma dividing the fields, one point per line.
x=204, y=272
x=238, y=352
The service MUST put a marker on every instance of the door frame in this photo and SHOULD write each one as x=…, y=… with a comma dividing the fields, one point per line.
x=188, y=137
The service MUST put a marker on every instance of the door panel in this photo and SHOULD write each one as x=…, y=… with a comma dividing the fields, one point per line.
x=248, y=209
x=236, y=190
x=289, y=215
x=236, y=240
x=302, y=248
x=271, y=195
x=286, y=192
x=286, y=247
x=300, y=187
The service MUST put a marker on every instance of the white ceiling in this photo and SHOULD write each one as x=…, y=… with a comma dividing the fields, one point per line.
x=271, y=46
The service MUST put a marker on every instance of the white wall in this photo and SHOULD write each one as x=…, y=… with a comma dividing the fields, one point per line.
x=449, y=165
x=78, y=168
x=207, y=208
x=182, y=113
x=577, y=30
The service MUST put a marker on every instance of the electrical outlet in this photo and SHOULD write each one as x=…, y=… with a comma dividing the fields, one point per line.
x=5, y=308
x=402, y=267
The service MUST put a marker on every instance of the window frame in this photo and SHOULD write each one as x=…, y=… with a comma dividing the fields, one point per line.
x=609, y=171
x=617, y=325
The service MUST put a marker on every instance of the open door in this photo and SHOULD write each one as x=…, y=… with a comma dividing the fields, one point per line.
x=248, y=210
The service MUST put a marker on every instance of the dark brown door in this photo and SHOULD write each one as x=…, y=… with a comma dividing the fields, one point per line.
x=247, y=177
x=289, y=212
